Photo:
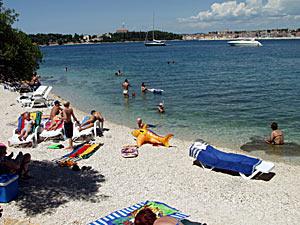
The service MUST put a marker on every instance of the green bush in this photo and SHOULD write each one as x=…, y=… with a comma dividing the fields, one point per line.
x=19, y=58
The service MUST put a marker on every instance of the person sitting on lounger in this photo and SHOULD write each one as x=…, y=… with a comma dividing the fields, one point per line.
x=28, y=124
x=90, y=122
x=54, y=116
x=147, y=217
x=19, y=165
x=276, y=135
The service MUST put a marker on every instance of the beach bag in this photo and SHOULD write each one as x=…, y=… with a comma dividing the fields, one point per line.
x=129, y=151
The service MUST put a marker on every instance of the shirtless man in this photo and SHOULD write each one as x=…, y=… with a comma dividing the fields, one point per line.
x=55, y=111
x=125, y=87
x=90, y=123
x=276, y=135
x=68, y=124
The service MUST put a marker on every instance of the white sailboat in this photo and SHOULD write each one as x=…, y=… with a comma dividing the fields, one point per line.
x=153, y=42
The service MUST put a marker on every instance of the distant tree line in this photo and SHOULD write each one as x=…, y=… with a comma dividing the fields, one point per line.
x=48, y=39
x=140, y=36
x=19, y=58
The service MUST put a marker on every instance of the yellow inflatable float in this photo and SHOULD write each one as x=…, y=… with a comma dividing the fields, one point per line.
x=144, y=135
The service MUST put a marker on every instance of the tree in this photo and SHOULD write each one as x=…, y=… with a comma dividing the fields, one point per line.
x=19, y=58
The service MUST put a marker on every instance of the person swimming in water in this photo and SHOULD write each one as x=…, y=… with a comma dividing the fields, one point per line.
x=119, y=73
x=276, y=137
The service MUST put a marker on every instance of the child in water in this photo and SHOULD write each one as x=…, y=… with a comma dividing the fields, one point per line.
x=161, y=108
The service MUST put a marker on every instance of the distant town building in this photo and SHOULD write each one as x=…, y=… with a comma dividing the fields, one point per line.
x=227, y=34
x=122, y=30
x=86, y=38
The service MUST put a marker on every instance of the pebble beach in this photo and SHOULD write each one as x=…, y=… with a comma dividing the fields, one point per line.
x=57, y=195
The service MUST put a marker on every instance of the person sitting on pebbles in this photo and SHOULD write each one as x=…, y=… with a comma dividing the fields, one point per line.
x=19, y=165
x=276, y=137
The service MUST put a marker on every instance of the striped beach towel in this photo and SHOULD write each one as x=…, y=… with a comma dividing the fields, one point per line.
x=126, y=215
x=81, y=151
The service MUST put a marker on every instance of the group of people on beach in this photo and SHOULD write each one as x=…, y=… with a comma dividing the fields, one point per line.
x=126, y=85
x=65, y=115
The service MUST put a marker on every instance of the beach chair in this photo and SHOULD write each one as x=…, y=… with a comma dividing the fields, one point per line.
x=127, y=215
x=33, y=137
x=90, y=132
x=38, y=98
x=210, y=158
x=52, y=134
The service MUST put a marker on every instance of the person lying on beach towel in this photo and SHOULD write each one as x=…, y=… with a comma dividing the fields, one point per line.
x=147, y=217
x=90, y=122
x=19, y=165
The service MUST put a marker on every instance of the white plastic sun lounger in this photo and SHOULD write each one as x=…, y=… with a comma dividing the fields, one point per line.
x=39, y=98
x=92, y=131
x=39, y=92
x=210, y=158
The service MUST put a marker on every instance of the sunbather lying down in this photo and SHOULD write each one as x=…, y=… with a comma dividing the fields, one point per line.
x=147, y=217
x=90, y=122
x=19, y=165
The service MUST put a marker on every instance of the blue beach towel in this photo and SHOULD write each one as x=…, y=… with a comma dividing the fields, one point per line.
x=212, y=157
x=125, y=216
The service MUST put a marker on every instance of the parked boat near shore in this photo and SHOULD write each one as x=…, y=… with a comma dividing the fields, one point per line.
x=245, y=42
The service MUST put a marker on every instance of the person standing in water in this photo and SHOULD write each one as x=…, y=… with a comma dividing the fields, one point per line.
x=143, y=88
x=125, y=87
x=161, y=108
x=276, y=137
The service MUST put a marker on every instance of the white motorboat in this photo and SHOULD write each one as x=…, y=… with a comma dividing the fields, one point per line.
x=245, y=42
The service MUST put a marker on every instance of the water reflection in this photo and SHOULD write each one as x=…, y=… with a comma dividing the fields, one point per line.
x=276, y=152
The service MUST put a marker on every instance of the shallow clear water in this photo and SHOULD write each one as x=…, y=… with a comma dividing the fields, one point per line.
x=225, y=95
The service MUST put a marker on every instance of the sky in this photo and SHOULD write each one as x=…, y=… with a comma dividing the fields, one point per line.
x=179, y=16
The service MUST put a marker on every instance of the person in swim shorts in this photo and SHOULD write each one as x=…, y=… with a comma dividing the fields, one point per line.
x=68, y=124
x=276, y=137
x=125, y=87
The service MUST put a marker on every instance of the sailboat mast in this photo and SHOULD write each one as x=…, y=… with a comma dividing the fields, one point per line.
x=153, y=28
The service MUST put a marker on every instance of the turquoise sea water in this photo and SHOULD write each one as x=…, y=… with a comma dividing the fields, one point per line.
x=225, y=95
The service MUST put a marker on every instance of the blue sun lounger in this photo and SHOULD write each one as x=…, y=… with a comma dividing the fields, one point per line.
x=121, y=216
x=210, y=158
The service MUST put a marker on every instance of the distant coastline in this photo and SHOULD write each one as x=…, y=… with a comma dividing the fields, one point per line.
x=202, y=39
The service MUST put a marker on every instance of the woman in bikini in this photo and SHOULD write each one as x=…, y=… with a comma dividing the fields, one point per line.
x=277, y=137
